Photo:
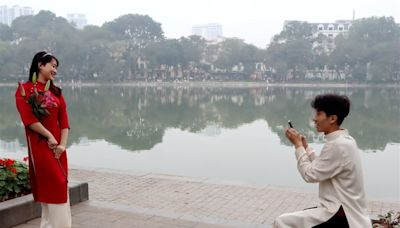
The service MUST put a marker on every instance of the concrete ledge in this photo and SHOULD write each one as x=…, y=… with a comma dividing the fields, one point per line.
x=23, y=209
x=78, y=192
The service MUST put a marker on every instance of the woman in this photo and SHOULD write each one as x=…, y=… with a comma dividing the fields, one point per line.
x=44, y=114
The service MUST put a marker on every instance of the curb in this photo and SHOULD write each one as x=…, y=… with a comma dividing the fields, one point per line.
x=23, y=209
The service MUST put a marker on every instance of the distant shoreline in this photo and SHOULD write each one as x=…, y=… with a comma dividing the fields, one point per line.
x=236, y=84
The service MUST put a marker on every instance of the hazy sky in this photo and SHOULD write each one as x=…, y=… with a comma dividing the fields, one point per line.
x=255, y=21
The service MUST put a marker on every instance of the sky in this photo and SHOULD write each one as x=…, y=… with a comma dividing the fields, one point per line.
x=255, y=21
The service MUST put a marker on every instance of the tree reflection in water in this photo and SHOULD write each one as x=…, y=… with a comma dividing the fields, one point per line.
x=136, y=118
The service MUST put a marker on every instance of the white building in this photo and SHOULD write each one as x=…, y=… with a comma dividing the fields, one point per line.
x=208, y=31
x=331, y=29
x=325, y=33
x=78, y=19
x=8, y=14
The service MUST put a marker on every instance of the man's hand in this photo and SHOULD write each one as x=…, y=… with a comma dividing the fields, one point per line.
x=58, y=151
x=294, y=137
x=304, y=141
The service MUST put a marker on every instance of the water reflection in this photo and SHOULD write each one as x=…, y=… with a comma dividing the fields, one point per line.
x=225, y=134
x=136, y=118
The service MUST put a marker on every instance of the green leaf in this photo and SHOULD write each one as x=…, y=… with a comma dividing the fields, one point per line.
x=47, y=87
x=22, y=176
x=17, y=189
x=34, y=77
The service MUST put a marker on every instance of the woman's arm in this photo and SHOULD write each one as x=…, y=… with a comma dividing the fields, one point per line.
x=39, y=128
x=64, y=137
x=63, y=143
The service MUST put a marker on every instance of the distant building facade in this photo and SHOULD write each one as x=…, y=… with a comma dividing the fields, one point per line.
x=78, y=19
x=208, y=31
x=329, y=31
x=9, y=14
x=325, y=33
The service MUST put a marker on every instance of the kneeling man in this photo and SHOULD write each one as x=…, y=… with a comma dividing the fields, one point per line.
x=337, y=169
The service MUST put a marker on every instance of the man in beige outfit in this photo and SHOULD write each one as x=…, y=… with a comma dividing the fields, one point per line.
x=337, y=169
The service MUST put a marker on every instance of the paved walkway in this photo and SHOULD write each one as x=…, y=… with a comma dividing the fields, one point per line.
x=149, y=200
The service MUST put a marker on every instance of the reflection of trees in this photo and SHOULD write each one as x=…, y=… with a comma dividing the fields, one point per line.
x=136, y=118
x=10, y=127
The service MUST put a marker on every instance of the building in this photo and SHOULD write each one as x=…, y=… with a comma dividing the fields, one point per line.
x=78, y=19
x=208, y=31
x=8, y=14
x=329, y=31
x=325, y=33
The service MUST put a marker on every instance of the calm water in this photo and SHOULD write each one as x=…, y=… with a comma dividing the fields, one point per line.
x=225, y=134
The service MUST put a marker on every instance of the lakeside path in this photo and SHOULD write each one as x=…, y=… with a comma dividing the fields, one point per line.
x=119, y=199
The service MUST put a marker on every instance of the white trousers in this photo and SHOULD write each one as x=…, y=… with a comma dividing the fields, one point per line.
x=303, y=219
x=56, y=215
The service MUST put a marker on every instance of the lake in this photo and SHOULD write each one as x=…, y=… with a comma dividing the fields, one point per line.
x=225, y=134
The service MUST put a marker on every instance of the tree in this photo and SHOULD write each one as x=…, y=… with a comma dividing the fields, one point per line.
x=168, y=52
x=193, y=48
x=291, y=50
x=294, y=30
x=5, y=32
x=233, y=52
x=138, y=32
x=370, y=49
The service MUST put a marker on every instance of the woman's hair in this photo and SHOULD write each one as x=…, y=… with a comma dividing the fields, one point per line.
x=332, y=104
x=43, y=58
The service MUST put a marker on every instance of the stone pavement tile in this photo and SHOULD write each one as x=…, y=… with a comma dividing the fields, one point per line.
x=94, y=218
x=35, y=221
x=211, y=226
x=81, y=207
x=30, y=224
x=129, y=216
x=26, y=225
x=165, y=220
x=135, y=224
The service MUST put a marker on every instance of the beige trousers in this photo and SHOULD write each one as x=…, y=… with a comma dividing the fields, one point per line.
x=303, y=219
x=56, y=215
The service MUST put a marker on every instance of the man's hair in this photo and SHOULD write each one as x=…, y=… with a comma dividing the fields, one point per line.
x=332, y=104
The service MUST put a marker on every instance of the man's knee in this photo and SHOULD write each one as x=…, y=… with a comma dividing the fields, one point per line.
x=282, y=221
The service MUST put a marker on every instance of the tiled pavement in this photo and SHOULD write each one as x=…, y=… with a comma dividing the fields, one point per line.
x=120, y=199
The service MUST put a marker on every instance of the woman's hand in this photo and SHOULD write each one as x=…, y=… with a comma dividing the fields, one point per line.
x=52, y=142
x=58, y=151
x=294, y=137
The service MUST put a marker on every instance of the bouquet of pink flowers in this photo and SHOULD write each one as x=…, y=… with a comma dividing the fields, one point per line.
x=40, y=101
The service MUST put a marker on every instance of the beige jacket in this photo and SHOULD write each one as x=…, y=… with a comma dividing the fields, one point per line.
x=339, y=173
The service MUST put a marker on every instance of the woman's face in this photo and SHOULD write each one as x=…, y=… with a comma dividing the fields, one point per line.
x=49, y=70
